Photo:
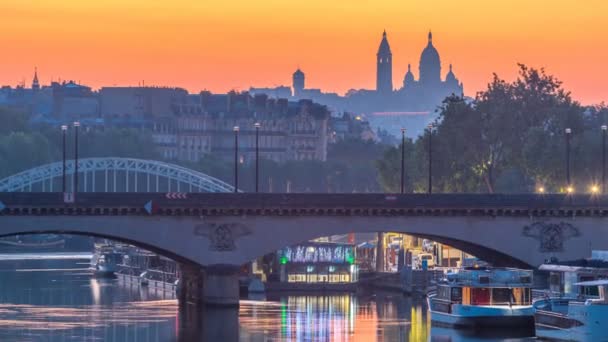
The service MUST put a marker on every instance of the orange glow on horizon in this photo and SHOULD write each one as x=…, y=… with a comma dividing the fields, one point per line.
x=221, y=46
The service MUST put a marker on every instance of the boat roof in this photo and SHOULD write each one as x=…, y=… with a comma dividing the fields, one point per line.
x=573, y=268
x=600, y=282
x=490, y=277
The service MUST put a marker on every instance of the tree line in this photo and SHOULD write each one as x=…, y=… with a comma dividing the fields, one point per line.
x=511, y=137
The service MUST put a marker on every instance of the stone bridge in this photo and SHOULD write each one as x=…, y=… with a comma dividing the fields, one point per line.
x=218, y=232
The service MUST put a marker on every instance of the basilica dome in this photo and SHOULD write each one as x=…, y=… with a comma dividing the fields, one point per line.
x=430, y=64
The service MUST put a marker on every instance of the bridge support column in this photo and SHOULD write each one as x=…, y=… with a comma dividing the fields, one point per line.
x=190, y=290
x=216, y=285
x=221, y=286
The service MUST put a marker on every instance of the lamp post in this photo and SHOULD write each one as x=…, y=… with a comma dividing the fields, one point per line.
x=430, y=158
x=64, y=129
x=236, y=158
x=76, y=125
x=402, y=159
x=568, y=184
x=257, y=156
x=604, y=128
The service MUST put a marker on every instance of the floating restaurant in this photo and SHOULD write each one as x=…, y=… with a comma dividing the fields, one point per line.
x=318, y=262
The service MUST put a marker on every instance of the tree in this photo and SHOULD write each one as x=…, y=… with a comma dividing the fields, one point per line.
x=509, y=138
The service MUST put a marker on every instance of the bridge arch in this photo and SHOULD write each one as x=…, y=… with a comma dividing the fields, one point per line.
x=115, y=175
x=137, y=243
x=236, y=240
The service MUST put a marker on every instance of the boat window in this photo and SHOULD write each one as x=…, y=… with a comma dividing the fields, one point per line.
x=521, y=296
x=443, y=292
x=502, y=296
x=592, y=291
x=456, y=294
x=466, y=295
x=484, y=279
x=480, y=296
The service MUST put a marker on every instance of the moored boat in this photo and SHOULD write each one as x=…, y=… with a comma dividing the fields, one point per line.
x=575, y=308
x=482, y=298
x=105, y=260
x=574, y=319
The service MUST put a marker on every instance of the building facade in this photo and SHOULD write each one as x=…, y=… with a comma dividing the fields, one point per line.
x=205, y=126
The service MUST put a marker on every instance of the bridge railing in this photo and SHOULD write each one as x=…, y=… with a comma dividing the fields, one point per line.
x=114, y=175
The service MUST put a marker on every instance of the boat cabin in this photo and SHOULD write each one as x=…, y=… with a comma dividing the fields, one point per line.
x=485, y=286
x=565, y=277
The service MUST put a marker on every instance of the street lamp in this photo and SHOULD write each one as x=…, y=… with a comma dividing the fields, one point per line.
x=604, y=128
x=64, y=129
x=568, y=184
x=430, y=158
x=594, y=189
x=541, y=190
x=76, y=125
x=402, y=159
x=236, y=158
x=257, y=155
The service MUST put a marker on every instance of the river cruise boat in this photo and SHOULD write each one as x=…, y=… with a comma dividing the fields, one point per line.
x=575, y=308
x=481, y=298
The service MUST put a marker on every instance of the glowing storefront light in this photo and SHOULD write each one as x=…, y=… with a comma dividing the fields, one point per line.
x=318, y=262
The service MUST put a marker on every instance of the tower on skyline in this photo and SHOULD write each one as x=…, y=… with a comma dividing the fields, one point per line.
x=35, y=82
x=384, y=67
x=298, y=82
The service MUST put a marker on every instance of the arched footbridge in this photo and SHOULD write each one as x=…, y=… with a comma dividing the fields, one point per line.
x=114, y=174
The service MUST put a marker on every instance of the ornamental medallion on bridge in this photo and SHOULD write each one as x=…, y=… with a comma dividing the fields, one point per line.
x=222, y=236
x=551, y=235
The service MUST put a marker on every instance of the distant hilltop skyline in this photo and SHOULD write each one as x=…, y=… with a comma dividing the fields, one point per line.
x=429, y=74
x=222, y=46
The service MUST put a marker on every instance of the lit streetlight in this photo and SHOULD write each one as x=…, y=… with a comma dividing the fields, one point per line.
x=402, y=159
x=541, y=190
x=568, y=132
x=64, y=129
x=235, y=129
x=257, y=155
x=594, y=189
x=604, y=128
x=430, y=158
x=76, y=125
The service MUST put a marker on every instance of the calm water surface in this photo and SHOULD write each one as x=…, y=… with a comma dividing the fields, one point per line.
x=52, y=297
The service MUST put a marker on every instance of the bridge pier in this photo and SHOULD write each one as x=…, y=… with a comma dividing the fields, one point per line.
x=221, y=287
x=215, y=285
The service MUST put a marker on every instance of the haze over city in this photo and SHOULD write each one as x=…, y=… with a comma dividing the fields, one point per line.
x=222, y=46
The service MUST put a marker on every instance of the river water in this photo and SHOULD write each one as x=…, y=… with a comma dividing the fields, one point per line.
x=52, y=297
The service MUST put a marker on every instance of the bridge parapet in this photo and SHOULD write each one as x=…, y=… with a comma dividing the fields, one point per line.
x=230, y=204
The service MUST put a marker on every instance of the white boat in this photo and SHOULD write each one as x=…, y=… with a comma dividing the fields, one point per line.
x=105, y=260
x=481, y=298
x=584, y=318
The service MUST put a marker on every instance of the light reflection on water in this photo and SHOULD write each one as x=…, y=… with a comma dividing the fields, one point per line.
x=56, y=300
x=336, y=318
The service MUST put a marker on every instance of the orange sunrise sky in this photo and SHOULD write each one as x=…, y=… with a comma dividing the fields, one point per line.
x=223, y=45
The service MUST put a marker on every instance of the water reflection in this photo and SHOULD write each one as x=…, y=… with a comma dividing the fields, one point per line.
x=57, y=300
x=337, y=317
x=348, y=318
